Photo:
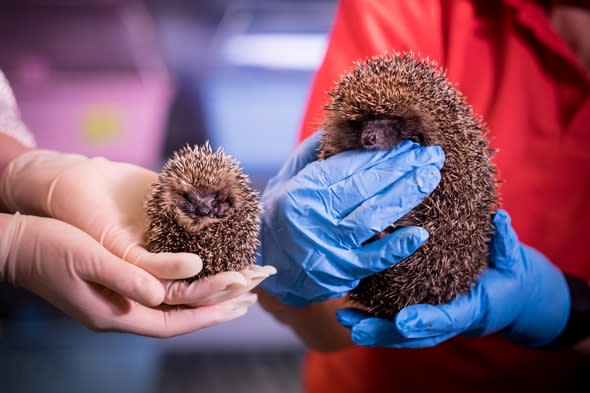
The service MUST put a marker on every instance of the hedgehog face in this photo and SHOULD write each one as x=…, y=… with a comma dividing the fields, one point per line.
x=385, y=133
x=376, y=132
x=197, y=206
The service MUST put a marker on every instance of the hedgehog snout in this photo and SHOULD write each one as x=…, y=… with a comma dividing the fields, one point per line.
x=380, y=134
x=196, y=205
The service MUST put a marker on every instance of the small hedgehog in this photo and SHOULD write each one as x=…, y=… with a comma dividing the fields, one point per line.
x=203, y=203
x=394, y=97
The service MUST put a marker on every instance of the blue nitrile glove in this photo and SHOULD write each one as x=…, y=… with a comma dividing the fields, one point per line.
x=522, y=296
x=317, y=214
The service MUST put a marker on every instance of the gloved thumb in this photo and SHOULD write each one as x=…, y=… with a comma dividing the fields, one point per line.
x=504, y=245
x=124, y=278
x=165, y=265
x=387, y=251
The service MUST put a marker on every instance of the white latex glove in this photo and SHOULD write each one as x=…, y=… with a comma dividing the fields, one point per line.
x=69, y=269
x=105, y=199
x=101, y=197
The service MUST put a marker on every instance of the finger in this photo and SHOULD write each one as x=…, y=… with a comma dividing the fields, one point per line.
x=305, y=153
x=348, y=317
x=255, y=274
x=208, y=290
x=423, y=342
x=424, y=320
x=376, y=332
x=504, y=245
x=165, y=265
x=372, y=180
x=174, y=321
x=385, y=208
x=343, y=165
x=385, y=252
x=122, y=277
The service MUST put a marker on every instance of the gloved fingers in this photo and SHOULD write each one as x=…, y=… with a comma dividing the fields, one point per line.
x=385, y=252
x=379, y=332
x=204, y=291
x=374, y=180
x=255, y=274
x=164, y=265
x=122, y=277
x=352, y=317
x=375, y=332
x=504, y=246
x=168, y=321
x=415, y=343
x=325, y=173
x=305, y=153
x=217, y=288
x=348, y=317
x=385, y=208
x=425, y=320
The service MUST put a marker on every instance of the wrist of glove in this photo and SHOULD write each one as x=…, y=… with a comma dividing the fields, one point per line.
x=522, y=296
x=27, y=183
x=317, y=215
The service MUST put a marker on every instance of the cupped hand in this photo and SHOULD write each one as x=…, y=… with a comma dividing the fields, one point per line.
x=521, y=296
x=101, y=197
x=72, y=271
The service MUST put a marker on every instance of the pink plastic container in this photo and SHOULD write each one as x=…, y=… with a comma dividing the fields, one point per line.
x=89, y=79
x=119, y=116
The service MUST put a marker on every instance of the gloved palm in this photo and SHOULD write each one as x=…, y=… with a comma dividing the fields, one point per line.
x=522, y=296
x=72, y=271
x=317, y=214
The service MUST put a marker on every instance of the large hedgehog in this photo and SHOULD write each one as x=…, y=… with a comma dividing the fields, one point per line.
x=203, y=203
x=393, y=97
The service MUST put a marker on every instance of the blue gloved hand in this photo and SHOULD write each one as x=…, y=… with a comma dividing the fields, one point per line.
x=522, y=296
x=317, y=214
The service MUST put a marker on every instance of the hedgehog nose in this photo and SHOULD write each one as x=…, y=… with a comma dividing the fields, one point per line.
x=203, y=210
x=369, y=140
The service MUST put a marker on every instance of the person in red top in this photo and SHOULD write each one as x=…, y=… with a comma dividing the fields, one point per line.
x=524, y=67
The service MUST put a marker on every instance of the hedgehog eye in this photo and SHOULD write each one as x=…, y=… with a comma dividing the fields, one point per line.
x=222, y=204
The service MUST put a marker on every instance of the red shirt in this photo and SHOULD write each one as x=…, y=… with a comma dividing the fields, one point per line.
x=534, y=95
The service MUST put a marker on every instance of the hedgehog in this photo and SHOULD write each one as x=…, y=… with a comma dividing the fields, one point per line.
x=204, y=203
x=382, y=101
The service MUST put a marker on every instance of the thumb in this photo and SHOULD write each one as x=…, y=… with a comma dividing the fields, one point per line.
x=388, y=251
x=122, y=277
x=504, y=245
x=165, y=265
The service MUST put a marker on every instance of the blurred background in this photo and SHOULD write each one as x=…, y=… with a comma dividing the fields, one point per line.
x=133, y=81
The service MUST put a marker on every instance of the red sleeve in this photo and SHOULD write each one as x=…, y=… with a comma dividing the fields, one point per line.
x=364, y=28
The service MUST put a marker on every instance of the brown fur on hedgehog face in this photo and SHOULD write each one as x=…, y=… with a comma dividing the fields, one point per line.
x=199, y=187
x=203, y=203
x=391, y=98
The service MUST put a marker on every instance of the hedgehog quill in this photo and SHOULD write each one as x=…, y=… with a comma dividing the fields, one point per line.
x=394, y=97
x=204, y=203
